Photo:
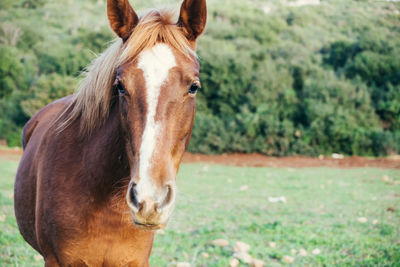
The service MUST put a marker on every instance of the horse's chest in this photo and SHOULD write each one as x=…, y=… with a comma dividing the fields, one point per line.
x=111, y=240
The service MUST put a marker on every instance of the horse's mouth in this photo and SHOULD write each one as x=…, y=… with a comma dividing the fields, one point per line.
x=148, y=226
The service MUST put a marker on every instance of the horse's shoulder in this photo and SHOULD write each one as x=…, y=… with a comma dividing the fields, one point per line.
x=43, y=118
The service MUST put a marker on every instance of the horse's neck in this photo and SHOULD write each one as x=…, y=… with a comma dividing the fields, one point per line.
x=105, y=161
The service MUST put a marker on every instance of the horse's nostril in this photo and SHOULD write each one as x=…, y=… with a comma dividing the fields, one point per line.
x=133, y=196
x=169, y=196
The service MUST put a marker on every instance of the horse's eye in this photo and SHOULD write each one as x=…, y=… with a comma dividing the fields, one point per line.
x=194, y=87
x=120, y=88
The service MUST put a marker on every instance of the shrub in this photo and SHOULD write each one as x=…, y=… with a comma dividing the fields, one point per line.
x=46, y=89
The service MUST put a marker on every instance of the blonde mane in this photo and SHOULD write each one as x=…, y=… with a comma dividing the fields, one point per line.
x=91, y=102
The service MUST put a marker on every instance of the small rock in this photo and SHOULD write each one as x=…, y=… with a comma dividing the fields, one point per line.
x=362, y=220
x=244, y=188
x=288, y=259
x=38, y=257
x=221, y=243
x=241, y=247
x=205, y=255
x=2, y=218
x=233, y=263
x=293, y=251
x=277, y=199
x=303, y=252
x=395, y=157
x=337, y=156
x=272, y=244
x=257, y=263
x=267, y=9
x=316, y=251
x=243, y=256
x=374, y=222
x=183, y=264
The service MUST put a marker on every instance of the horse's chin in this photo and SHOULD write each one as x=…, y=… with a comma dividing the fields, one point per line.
x=149, y=226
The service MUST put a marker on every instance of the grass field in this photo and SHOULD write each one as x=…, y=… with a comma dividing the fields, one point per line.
x=351, y=216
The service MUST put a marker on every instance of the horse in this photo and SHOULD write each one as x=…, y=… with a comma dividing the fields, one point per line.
x=98, y=173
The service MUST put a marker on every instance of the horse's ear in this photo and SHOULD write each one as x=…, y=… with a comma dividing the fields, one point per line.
x=193, y=18
x=122, y=17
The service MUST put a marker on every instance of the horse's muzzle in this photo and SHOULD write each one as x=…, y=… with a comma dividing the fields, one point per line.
x=148, y=213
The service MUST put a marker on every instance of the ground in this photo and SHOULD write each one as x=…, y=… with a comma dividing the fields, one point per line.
x=258, y=160
x=332, y=216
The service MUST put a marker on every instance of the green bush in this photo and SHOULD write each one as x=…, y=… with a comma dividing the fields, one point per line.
x=11, y=71
x=68, y=60
x=95, y=41
x=276, y=79
x=46, y=89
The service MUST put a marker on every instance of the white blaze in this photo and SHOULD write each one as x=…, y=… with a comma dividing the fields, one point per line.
x=155, y=64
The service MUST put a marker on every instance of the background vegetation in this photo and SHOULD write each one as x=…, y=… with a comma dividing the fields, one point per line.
x=278, y=78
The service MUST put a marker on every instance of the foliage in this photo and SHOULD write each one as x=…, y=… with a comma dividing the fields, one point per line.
x=46, y=89
x=11, y=71
x=277, y=78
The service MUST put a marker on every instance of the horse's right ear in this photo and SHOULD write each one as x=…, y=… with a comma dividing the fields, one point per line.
x=122, y=17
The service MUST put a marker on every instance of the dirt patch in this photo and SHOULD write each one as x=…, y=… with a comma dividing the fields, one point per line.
x=258, y=160
x=11, y=153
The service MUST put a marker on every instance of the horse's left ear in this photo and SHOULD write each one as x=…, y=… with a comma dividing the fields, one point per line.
x=193, y=18
x=122, y=17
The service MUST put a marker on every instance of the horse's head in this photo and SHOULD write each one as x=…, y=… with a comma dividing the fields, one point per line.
x=156, y=91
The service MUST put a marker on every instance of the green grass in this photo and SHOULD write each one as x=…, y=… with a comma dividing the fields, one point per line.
x=322, y=209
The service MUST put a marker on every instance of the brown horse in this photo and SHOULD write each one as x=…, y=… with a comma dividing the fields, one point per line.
x=94, y=160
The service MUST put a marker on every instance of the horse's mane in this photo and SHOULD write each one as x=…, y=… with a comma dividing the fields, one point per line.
x=91, y=102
